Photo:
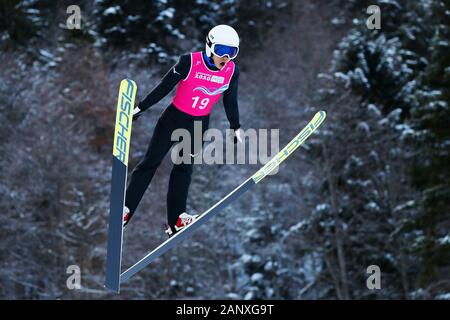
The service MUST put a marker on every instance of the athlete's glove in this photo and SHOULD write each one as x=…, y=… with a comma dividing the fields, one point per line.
x=237, y=135
x=137, y=112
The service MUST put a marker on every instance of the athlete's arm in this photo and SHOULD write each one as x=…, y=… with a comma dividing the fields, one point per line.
x=230, y=101
x=178, y=72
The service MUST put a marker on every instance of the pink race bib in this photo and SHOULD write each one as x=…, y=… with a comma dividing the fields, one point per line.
x=202, y=88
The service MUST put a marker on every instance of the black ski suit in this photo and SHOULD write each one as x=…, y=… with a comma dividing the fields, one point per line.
x=170, y=120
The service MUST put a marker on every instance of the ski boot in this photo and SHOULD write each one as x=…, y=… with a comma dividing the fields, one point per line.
x=183, y=221
x=126, y=216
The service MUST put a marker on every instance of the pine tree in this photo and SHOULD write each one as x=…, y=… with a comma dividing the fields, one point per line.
x=430, y=169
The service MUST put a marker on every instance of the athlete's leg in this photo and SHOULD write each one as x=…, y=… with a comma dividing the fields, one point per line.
x=143, y=173
x=180, y=179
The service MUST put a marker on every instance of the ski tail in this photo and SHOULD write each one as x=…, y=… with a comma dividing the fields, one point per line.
x=121, y=148
x=318, y=119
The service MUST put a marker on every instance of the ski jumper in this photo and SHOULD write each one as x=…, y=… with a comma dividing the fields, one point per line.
x=195, y=96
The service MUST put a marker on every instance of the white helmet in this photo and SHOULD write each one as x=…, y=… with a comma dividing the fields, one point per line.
x=222, y=35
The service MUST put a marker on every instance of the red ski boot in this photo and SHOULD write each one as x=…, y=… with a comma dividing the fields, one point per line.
x=183, y=221
x=126, y=216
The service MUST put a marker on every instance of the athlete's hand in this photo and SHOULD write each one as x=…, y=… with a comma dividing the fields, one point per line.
x=237, y=135
x=137, y=112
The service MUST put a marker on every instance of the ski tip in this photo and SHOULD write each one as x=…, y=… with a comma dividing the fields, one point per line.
x=319, y=117
x=128, y=81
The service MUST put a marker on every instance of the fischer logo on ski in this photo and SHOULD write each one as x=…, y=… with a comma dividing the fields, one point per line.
x=291, y=147
x=121, y=148
x=124, y=119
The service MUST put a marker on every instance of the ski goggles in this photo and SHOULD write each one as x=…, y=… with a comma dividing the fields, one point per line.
x=222, y=50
